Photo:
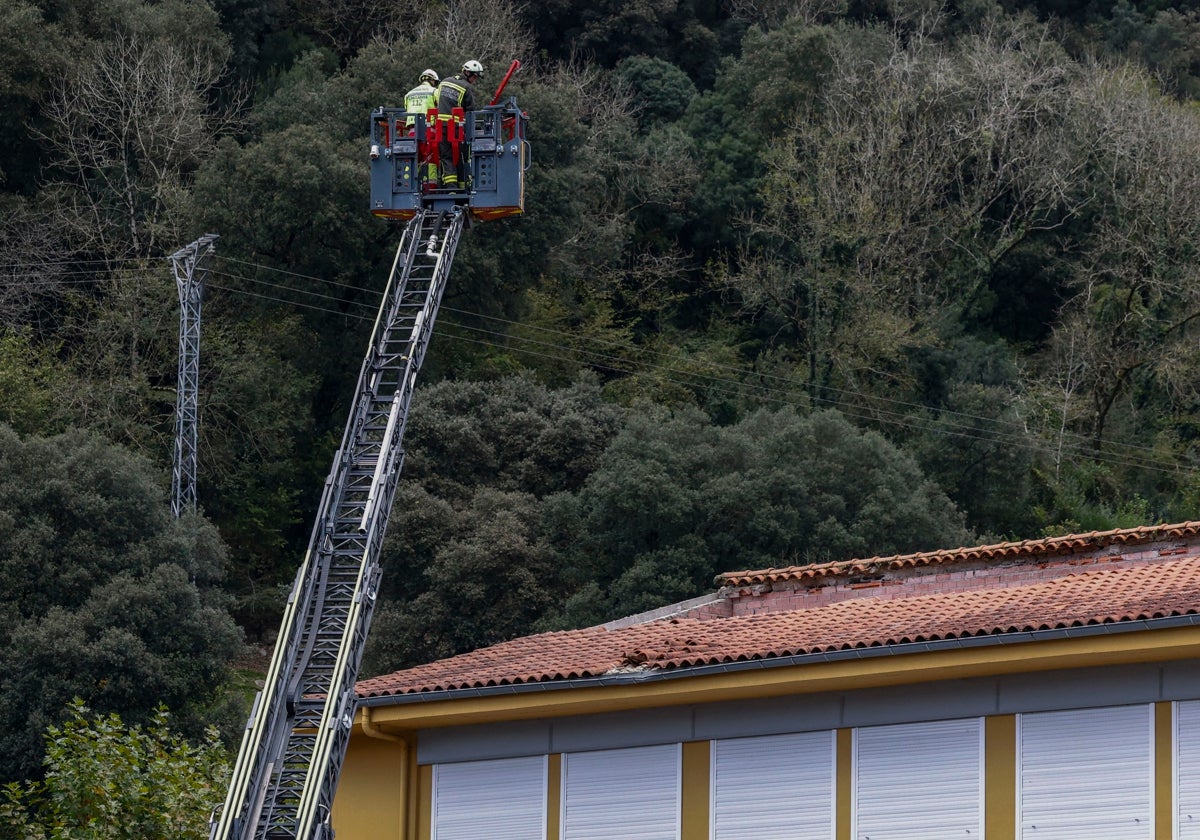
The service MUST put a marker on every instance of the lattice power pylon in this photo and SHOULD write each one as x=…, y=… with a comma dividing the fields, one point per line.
x=190, y=265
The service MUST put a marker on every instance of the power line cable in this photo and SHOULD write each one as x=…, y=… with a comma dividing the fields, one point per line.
x=901, y=415
x=833, y=394
x=740, y=389
x=1004, y=430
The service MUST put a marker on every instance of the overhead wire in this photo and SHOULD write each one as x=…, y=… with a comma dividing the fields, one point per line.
x=884, y=410
x=901, y=413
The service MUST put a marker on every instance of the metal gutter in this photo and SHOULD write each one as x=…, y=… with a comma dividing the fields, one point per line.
x=650, y=675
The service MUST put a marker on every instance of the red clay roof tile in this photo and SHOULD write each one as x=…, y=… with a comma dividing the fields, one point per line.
x=1050, y=546
x=1081, y=596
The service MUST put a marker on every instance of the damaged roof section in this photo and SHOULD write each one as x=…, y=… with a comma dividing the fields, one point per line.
x=1108, y=578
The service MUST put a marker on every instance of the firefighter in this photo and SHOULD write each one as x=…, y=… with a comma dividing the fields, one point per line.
x=456, y=92
x=421, y=100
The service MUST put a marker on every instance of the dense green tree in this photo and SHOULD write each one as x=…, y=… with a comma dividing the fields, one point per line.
x=684, y=32
x=105, y=595
x=662, y=92
x=33, y=53
x=678, y=500
x=108, y=781
x=753, y=100
x=464, y=561
x=511, y=434
x=488, y=577
x=970, y=436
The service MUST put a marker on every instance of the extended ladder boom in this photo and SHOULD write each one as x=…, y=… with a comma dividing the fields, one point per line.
x=295, y=741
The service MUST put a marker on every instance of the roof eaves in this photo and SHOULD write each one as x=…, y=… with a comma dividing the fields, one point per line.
x=627, y=677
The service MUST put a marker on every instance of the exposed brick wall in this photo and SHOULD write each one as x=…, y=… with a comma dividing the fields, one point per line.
x=911, y=581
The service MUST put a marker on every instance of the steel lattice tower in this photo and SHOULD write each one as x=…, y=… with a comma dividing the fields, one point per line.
x=190, y=265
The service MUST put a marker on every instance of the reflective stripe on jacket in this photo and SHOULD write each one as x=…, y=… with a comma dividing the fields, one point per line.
x=455, y=92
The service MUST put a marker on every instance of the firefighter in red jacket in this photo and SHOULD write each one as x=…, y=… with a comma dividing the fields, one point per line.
x=456, y=92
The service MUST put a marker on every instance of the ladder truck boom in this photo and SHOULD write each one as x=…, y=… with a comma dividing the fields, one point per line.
x=296, y=738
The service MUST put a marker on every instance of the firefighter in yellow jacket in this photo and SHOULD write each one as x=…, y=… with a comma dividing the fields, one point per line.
x=421, y=100
x=456, y=92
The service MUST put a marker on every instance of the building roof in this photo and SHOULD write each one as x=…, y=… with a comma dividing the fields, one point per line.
x=1071, y=544
x=1114, y=577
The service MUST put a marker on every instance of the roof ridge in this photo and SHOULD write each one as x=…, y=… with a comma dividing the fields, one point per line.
x=1045, y=545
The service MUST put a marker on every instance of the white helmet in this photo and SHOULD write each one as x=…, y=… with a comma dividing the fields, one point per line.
x=430, y=76
x=473, y=66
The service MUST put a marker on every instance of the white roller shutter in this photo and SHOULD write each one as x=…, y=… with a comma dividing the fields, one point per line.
x=631, y=794
x=918, y=781
x=773, y=786
x=1187, y=770
x=1086, y=774
x=504, y=799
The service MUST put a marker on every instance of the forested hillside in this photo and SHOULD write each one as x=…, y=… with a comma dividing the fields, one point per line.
x=797, y=281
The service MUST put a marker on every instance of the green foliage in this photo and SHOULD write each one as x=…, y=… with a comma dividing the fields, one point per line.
x=33, y=52
x=511, y=434
x=257, y=471
x=677, y=500
x=292, y=187
x=105, y=595
x=684, y=33
x=958, y=227
x=662, y=91
x=465, y=561
x=970, y=439
x=489, y=578
x=1088, y=498
x=734, y=124
x=26, y=377
x=105, y=780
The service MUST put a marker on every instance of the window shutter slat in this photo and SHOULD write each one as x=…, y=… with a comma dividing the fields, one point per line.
x=629, y=793
x=919, y=780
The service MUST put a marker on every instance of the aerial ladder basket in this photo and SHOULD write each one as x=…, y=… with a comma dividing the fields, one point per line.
x=404, y=152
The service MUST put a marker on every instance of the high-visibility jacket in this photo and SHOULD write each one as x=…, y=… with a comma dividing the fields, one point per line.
x=455, y=92
x=420, y=100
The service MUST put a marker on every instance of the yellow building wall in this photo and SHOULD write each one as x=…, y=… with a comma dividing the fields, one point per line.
x=1164, y=775
x=371, y=795
x=696, y=790
x=385, y=796
x=373, y=810
x=1000, y=777
x=553, y=797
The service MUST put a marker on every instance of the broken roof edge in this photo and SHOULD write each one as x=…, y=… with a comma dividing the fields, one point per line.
x=1047, y=546
x=680, y=609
